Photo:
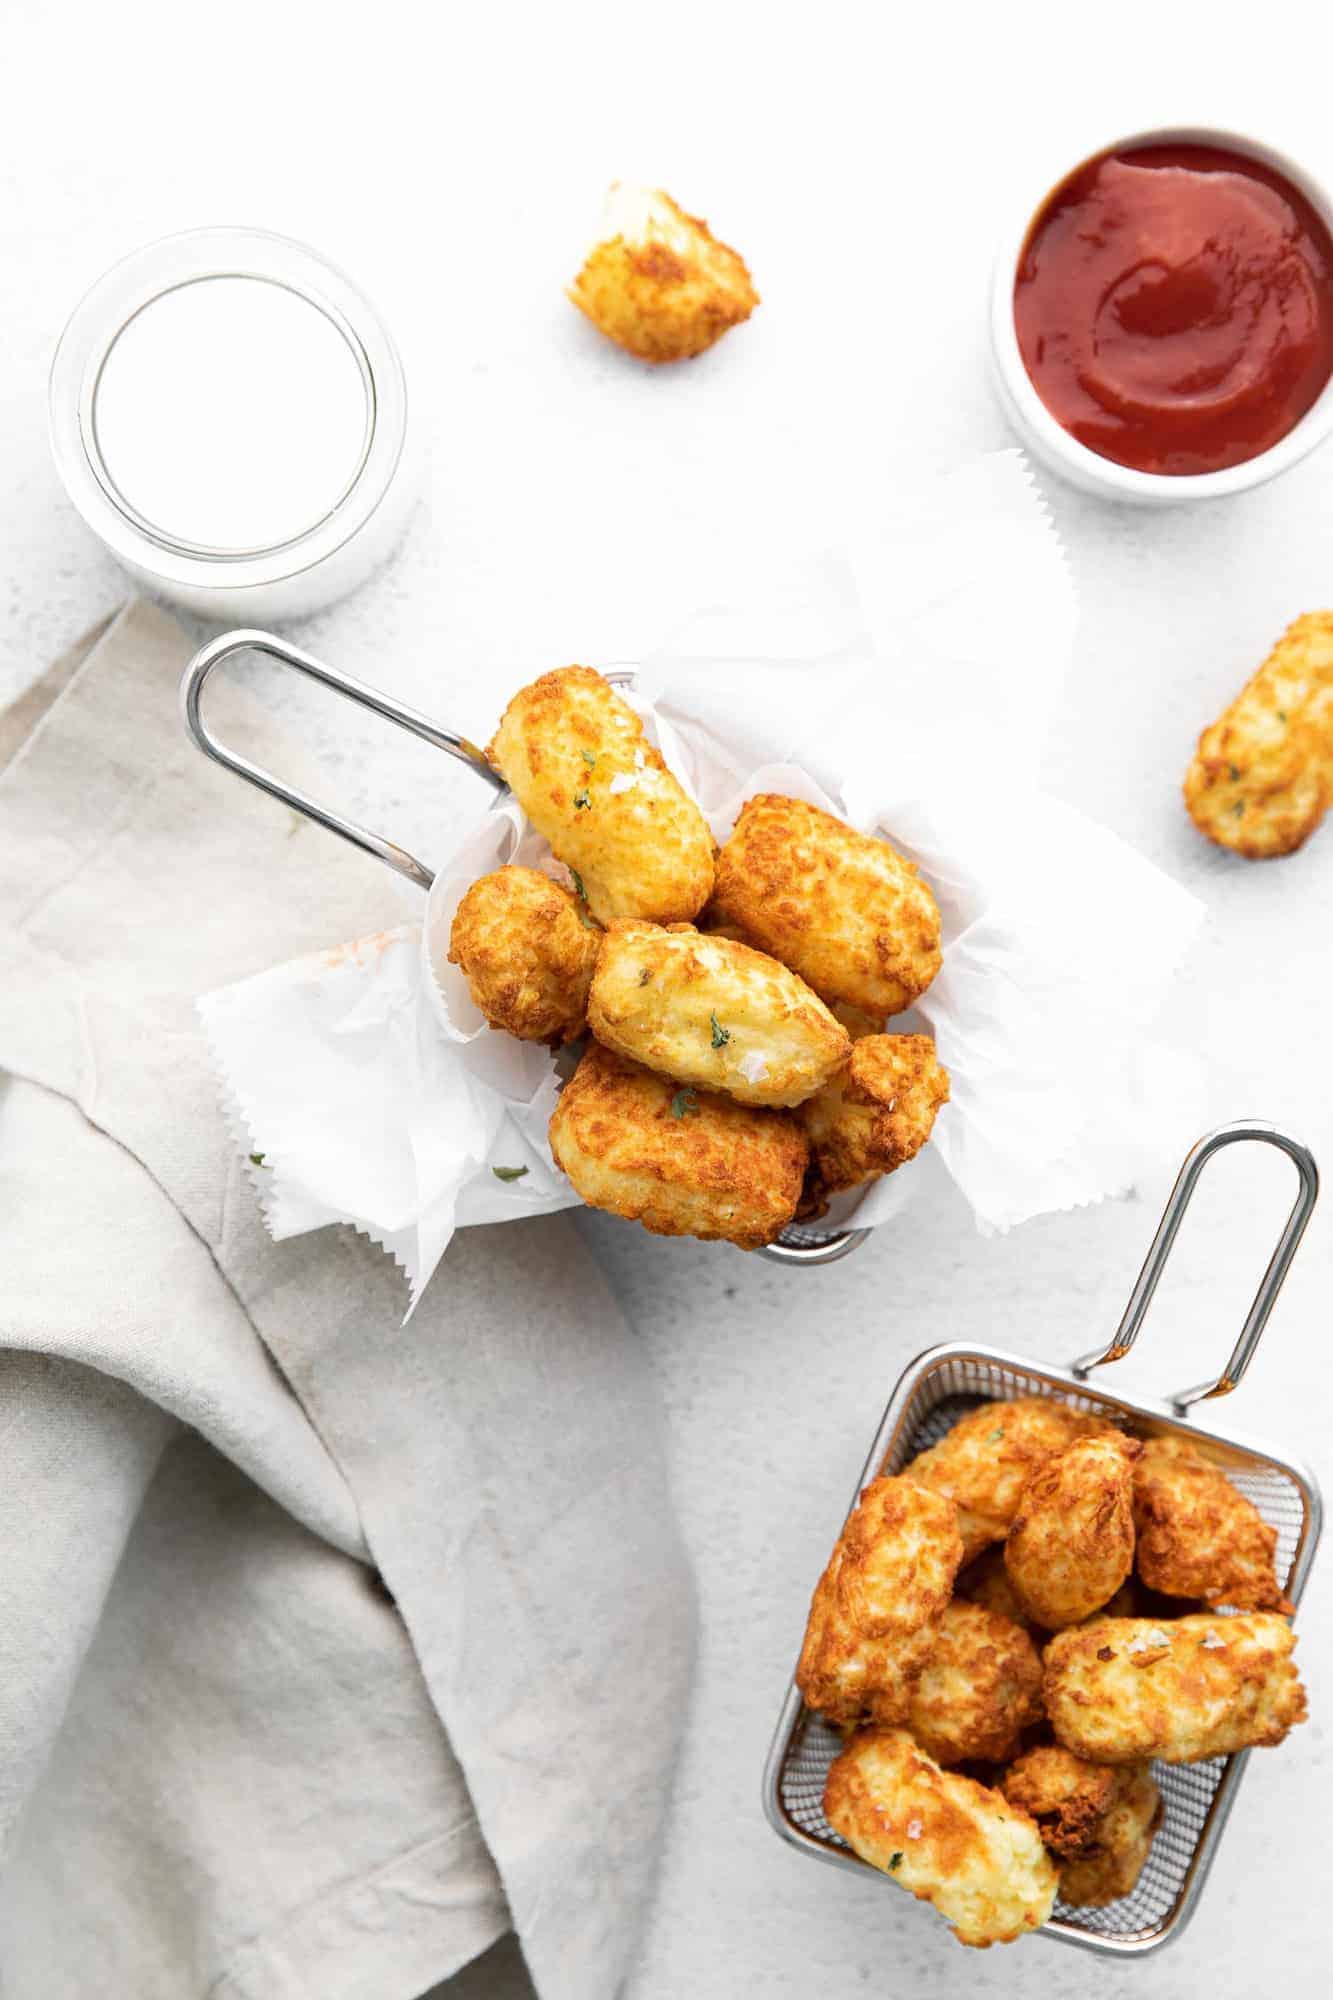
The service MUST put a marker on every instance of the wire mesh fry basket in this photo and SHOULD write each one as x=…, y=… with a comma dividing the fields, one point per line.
x=933, y=1392
x=801, y=1243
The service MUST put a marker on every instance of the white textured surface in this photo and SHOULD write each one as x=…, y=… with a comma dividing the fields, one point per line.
x=576, y=504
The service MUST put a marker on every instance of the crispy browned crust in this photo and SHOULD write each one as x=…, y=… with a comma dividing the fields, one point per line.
x=1123, y=1690
x=1070, y=1545
x=873, y=1116
x=1262, y=776
x=666, y=288
x=844, y=910
x=576, y=758
x=1111, y=1866
x=713, y=1014
x=986, y=1459
x=943, y=1837
x=871, y=1621
x=527, y=948
x=979, y=1689
x=1066, y=1796
x=1198, y=1537
x=682, y=1163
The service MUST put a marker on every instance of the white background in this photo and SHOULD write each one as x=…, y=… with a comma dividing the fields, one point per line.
x=866, y=162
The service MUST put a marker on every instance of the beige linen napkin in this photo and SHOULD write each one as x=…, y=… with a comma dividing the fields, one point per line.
x=233, y=1763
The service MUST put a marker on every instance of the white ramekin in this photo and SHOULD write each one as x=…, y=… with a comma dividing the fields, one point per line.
x=344, y=539
x=1052, y=444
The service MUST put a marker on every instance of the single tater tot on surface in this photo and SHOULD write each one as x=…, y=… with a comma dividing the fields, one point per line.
x=841, y=908
x=1070, y=1544
x=871, y=1621
x=1262, y=776
x=1122, y=1690
x=526, y=947
x=679, y=1161
x=1111, y=1866
x=576, y=758
x=1198, y=1536
x=712, y=1014
x=945, y=1838
x=984, y=1462
x=874, y=1115
x=658, y=282
x=979, y=1689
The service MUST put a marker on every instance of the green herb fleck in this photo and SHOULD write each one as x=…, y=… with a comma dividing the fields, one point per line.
x=684, y=1104
x=257, y=1160
x=581, y=800
x=579, y=889
x=895, y=1860
x=721, y=1035
x=996, y=1437
x=590, y=759
x=1239, y=808
x=509, y=1173
x=1233, y=772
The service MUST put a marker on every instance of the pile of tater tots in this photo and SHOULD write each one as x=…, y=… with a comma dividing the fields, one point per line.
x=736, y=1074
x=1011, y=1630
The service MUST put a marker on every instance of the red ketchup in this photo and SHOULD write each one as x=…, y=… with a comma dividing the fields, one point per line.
x=1174, y=307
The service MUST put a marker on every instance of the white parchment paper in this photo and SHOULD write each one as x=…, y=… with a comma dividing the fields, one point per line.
x=903, y=684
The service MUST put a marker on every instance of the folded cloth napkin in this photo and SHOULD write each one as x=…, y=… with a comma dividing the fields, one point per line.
x=328, y=1650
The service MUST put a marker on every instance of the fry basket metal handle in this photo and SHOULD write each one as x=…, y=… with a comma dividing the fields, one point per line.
x=228, y=646
x=1160, y=1249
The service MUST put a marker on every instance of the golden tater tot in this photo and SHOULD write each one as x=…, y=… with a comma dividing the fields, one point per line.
x=1112, y=1865
x=1198, y=1537
x=1071, y=1543
x=945, y=1838
x=1097, y=1819
x=527, y=948
x=1262, y=776
x=659, y=283
x=575, y=756
x=874, y=1115
x=681, y=1163
x=979, y=1689
x=842, y=909
x=1066, y=1796
x=986, y=1458
x=871, y=1621
x=1122, y=1690
x=712, y=1014
x=985, y=1581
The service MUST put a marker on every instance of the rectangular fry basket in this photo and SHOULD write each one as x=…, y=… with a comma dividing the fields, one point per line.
x=938, y=1388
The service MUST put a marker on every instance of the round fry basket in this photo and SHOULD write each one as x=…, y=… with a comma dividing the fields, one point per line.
x=938, y=1388
x=801, y=1243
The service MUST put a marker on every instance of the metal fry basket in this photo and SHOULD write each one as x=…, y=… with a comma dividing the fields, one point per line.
x=935, y=1390
x=800, y=1244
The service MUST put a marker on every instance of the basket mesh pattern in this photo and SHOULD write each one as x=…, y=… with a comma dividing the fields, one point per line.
x=1190, y=1793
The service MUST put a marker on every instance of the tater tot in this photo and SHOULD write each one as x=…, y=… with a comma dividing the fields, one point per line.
x=682, y=1163
x=712, y=1014
x=1070, y=1545
x=943, y=1837
x=1097, y=1819
x=871, y=1623
x=842, y=909
x=1198, y=1537
x=1122, y=1690
x=1262, y=776
x=874, y=1115
x=526, y=947
x=659, y=283
x=575, y=756
x=984, y=1461
x=979, y=1689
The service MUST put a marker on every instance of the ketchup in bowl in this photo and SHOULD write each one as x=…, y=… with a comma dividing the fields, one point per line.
x=1174, y=307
